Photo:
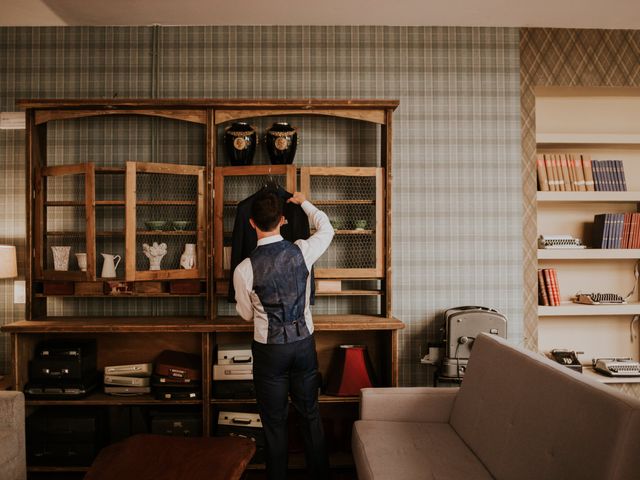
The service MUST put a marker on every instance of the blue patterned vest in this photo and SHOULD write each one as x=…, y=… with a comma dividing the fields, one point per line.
x=280, y=281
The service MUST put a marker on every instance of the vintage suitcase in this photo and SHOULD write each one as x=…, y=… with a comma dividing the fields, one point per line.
x=63, y=359
x=126, y=391
x=158, y=381
x=133, y=370
x=178, y=364
x=235, y=353
x=126, y=381
x=176, y=424
x=233, y=372
x=61, y=454
x=244, y=425
x=175, y=392
x=61, y=389
x=233, y=389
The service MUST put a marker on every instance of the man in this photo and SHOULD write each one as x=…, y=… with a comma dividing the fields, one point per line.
x=272, y=288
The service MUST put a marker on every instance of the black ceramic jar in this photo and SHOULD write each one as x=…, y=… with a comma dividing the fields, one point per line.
x=240, y=140
x=281, y=142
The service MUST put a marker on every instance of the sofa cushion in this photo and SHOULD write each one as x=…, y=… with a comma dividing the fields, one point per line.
x=526, y=417
x=407, y=451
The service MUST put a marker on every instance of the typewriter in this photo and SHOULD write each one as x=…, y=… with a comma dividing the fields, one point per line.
x=617, y=367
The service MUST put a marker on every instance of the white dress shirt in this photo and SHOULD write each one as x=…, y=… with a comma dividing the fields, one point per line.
x=248, y=304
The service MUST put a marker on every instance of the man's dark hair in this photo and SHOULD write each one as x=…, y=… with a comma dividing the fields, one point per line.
x=266, y=210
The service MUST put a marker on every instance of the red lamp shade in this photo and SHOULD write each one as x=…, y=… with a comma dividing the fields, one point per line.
x=351, y=370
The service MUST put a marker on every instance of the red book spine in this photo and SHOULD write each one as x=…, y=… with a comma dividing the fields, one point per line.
x=548, y=281
x=555, y=286
x=543, y=298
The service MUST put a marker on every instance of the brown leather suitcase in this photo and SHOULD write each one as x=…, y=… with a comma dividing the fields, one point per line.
x=178, y=365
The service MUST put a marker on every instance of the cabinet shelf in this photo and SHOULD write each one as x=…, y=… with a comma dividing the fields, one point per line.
x=591, y=373
x=593, y=197
x=99, y=398
x=170, y=233
x=82, y=234
x=56, y=469
x=110, y=325
x=588, y=254
x=251, y=401
x=590, y=139
x=569, y=309
x=119, y=203
x=320, y=323
x=128, y=295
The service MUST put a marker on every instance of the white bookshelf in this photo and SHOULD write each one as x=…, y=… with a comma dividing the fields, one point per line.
x=570, y=309
x=605, y=125
x=589, y=197
x=588, y=254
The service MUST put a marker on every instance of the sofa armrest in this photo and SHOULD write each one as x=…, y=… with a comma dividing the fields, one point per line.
x=11, y=410
x=407, y=404
x=12, y=442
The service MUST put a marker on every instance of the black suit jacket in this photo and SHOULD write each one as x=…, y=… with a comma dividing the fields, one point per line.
x=245, y=239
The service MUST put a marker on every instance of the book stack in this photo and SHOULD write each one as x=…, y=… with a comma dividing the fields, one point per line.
x=548, y=290
x=616, y=230
x=578, y=173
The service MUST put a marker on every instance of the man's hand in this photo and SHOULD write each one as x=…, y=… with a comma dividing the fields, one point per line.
x=298, y=198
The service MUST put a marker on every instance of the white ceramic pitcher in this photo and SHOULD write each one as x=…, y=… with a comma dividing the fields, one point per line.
x=110, y=264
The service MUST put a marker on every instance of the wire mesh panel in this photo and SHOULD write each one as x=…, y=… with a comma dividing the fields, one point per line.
x=165, y=219
x=110, y=187
x=352, y=199
x=64, y=222
x=233, y=185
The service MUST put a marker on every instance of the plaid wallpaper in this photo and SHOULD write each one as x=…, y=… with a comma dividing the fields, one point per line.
x=457, y=227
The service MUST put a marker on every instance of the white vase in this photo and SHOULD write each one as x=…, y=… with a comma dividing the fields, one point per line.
x=188, y=258
x=154, y=253
x=82, y=261
x=61, y=258
x=109, y=265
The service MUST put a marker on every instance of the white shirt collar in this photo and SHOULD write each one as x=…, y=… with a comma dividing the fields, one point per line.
x=269, y=240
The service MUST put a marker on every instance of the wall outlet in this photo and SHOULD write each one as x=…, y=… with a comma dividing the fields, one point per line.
x=19, y=291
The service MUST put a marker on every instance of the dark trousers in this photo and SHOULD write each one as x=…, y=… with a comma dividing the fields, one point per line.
x=286, y=369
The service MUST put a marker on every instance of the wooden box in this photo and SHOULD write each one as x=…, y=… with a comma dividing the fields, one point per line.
x=89, y=288
x=58, y=288
x=185, y=287
x=148, y=287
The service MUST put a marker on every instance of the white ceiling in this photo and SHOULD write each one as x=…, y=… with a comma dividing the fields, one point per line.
x=612, y=14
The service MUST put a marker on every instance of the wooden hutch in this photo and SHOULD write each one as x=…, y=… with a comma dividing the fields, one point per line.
x=66, y=204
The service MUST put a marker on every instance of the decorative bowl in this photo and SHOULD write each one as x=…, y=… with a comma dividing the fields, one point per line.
x=360, y=224
x=180, y=224
x=155, y=224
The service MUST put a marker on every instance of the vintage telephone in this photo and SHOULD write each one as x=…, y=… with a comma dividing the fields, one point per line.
x=568, y=358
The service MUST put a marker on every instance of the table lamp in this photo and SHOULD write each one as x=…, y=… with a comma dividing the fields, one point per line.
x=8, y=262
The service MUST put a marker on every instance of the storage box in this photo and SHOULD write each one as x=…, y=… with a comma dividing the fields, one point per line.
x=233, y=390
x=245, y=425
x=89, y=288
x=328, y=286
x=234, y=354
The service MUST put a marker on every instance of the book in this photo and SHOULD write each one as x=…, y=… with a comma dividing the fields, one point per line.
x=626, y=230
x=553, y=290
x=543, y=298
x=598, y=230
x=553, y=186
x=562, y=159
x=597, y=182
x=622, y=176
x=577, y=162
x=557, y=172
x=632, y=231
x=588, y=173
x=543, y=181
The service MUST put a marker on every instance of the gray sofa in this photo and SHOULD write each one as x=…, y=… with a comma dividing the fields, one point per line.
x=13, y=465
x=517, y=416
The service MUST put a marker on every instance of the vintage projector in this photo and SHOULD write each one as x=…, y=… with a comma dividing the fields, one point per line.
x=462, y=325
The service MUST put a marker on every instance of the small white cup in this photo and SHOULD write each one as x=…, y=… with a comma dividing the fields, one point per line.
x=82, y=261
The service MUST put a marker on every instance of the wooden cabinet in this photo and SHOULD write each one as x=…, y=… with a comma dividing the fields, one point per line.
x=139, y=192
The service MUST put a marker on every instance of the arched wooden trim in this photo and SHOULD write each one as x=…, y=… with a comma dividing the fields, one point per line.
x=194, y=116
x=366, y=115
